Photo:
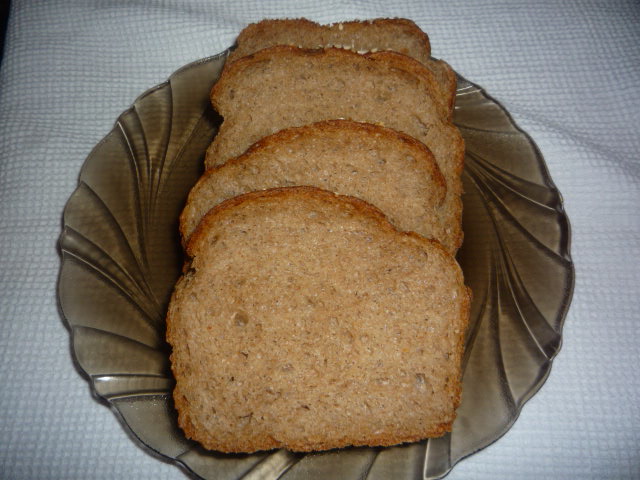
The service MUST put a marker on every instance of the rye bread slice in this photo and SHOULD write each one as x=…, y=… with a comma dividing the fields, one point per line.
x=386, y=168
x=383, y=34
x=306, y=321
x=284, y=86
x=397, y=34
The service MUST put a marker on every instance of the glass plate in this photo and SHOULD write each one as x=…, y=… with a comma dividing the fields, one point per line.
x=121, y=256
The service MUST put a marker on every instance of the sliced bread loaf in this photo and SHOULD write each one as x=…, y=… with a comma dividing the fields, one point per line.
x=284, y=86
x=389, y=169
x=379, y=35
x=306, y=321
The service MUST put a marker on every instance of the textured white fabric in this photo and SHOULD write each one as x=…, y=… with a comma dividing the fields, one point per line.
x=567, y=71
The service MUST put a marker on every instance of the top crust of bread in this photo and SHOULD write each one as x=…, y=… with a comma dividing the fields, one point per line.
x=357, y=340
x=397, y=34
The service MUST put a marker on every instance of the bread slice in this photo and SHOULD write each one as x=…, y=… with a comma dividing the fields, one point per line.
x=397, y=34
x=387, y=168
x=306, y=321
x=383, y=34
x=284, y=86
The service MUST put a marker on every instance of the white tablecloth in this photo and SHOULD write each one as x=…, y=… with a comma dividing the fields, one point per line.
x=569, y=74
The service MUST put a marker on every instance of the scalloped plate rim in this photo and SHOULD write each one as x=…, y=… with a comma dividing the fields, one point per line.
x=565, y=254
x=571, y=274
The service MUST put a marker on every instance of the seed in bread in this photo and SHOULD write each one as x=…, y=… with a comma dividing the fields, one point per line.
x=306, y=321
x=389, y=169
x=283, y=86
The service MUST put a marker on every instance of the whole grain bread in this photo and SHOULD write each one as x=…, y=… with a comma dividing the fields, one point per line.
x=306, y=321
x=383, y=34
x=397, y=34
x=285, y=86
x=389, y=169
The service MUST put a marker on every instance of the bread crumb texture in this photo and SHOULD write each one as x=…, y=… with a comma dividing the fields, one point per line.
x=305, y=320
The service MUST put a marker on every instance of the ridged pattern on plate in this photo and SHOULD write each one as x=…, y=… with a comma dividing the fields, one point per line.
x=120, y=254
x=515, y=258
x=121, y=257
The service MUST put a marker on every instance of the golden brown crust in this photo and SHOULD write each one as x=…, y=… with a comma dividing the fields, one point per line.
x=339, y=124
x=446, y=78
x=217, y=213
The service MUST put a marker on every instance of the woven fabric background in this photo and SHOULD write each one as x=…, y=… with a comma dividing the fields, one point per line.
x=569, y=73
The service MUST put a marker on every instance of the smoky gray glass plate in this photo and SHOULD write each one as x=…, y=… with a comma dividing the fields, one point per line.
x=121, y=256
